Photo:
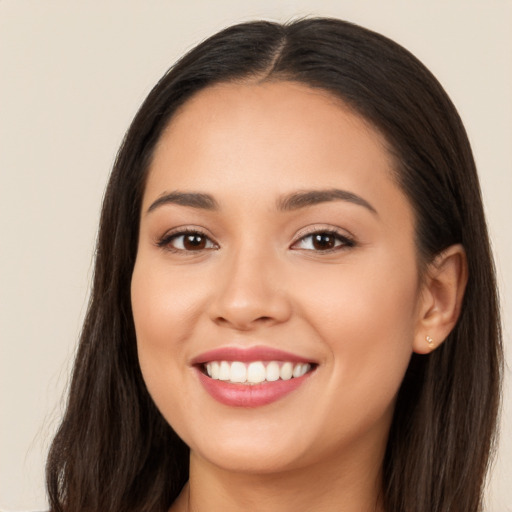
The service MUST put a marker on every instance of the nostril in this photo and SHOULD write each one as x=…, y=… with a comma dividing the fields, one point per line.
x=243, y=323
x=245, y=313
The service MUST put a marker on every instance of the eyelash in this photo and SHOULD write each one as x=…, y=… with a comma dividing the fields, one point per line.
x=166, y=241
x=341, y=241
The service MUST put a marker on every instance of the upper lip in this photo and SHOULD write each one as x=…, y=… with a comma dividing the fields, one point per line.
x=248, y=354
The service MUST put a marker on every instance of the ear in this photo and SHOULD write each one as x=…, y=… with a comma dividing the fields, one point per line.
x=441, y=300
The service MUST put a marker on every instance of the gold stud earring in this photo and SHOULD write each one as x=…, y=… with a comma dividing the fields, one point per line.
x=430, y=342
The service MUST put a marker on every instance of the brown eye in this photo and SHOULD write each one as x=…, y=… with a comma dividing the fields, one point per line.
x=323, y=241
x=188, y=241
x=194, y=242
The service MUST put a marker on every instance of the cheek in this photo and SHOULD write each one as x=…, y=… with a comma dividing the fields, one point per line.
x=379, y=295
x=164, y=305
x=366, y=318
x=161, y=316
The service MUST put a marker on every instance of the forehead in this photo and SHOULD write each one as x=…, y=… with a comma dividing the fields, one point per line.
x=270, y=136
x=279, y=112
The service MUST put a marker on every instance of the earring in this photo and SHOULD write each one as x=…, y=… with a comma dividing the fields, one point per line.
x=430, y=342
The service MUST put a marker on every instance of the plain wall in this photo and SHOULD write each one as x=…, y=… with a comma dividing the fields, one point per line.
x=72, y=75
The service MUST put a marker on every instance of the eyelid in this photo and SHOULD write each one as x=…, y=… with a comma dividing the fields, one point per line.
x=165, y=240
x=348, y=240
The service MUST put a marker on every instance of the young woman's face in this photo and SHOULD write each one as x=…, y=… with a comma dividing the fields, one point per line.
x=275, y=246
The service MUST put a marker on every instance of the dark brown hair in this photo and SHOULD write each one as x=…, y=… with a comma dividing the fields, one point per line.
x=115, y=452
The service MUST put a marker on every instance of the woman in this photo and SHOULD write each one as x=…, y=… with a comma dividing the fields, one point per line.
x=294, y=303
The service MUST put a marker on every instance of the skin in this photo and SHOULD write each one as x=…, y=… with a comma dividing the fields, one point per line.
x=358, y=310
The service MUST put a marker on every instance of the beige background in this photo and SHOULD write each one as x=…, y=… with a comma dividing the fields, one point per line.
x=72, y=75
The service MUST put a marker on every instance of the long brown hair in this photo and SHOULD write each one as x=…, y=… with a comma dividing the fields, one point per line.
x=115, y=452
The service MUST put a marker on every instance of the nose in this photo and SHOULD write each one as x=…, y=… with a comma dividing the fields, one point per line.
x=250, y=294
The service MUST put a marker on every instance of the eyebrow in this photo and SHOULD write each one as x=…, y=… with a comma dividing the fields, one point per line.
x=289, y=202
x=192, y=199
x=303, y=199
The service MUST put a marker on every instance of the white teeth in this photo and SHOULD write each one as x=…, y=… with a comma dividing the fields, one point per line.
x=297, y=370
x=255, y=372
x=272, y=371
x=238, y=372
x=214, y=370
x=224, y=371
x=286, y=371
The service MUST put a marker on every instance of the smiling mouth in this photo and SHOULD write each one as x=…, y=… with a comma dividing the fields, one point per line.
x=255, y=372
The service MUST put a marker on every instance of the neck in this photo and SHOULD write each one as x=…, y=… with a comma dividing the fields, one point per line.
x=352, y=486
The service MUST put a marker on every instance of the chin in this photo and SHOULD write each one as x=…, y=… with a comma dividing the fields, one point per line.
x=252, y=459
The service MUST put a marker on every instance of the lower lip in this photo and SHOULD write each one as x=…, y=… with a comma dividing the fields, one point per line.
x=249, y=395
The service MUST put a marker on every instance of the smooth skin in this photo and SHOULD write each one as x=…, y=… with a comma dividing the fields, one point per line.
x=242, y=267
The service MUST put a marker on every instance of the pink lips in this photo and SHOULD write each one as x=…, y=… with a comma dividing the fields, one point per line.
x=248, y=354
x=243, y=395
